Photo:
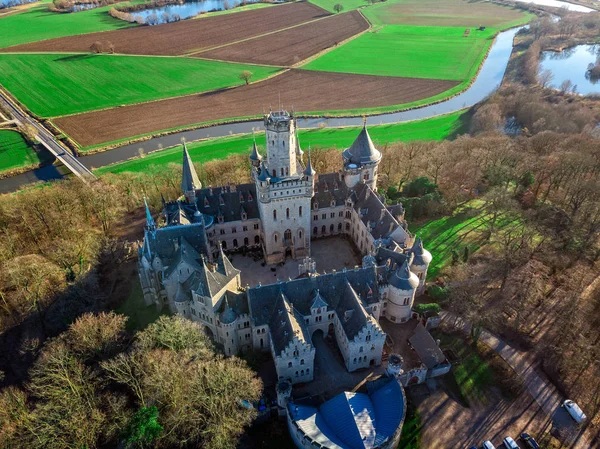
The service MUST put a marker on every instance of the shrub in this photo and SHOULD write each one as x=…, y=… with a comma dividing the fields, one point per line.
x=432, y=308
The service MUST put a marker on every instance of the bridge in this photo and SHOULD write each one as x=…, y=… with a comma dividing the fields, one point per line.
x=46, y=138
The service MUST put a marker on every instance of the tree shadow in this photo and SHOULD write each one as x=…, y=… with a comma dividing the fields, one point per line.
x=77, y=57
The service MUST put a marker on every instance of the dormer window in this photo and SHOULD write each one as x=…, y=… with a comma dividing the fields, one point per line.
x=335, y=186
x=249, y=196
x=220, y=219
x=241, y=197
x=326, y=188
x=221, y=200
x=316, y=188
x=244, y=216
x=316, y=206
x=332, y=204
x=206, y=203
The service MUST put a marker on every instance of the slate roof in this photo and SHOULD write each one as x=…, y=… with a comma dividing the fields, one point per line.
x=402, y=278
x=255, y=155
x=227, y=201
x=165, y=242
x=285, y=323
x=421, y=255
x=426, y=347
x=189, y=178
x=342, y=291
x=369, y=208
x=362, y=151
x=354, y=420
x=328, y=187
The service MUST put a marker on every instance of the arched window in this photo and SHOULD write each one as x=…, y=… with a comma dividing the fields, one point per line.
x=224, y=244
x=256, y=239
x=339, y=227
x=235, y=243
x=274, y=173
x=323, y=229
x=275, y=237
x=347, y=226
x=246, y=241
x=315, y=230
x=287, y=235
x=300, y=234
x=360, y=349
x=287, y=213
x=274, y=215
x=281, y=171
x=300, y=211
x=302, y=373
x=331, y=228
x=289, y=364
x=302, y=362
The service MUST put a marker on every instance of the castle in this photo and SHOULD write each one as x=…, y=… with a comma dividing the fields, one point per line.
x=183, y=264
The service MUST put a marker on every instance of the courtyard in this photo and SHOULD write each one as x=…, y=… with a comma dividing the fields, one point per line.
x=329, y=253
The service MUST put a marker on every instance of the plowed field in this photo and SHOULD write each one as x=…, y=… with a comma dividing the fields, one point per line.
x=188, y=35
x=304, y=90
x=289, y=47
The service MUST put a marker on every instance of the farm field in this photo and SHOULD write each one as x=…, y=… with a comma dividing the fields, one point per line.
x=464, y=13
x=15, y=153
x=186, y=36
x=438, y=128
x=38, y=24
x=410, y=51
x=289, y=47
x=348, y=5
x=58, y=84
x=304, y=90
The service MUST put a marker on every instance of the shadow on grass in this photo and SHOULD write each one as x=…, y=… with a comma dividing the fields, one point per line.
x=411, y=430
x=77, y=57
x=138, y=313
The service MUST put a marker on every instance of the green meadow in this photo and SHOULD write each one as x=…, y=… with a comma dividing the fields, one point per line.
x=38, y=24
x=348, y=5
x=438, y=128
x=411, y=52
x=60, y=84
x=15, y=153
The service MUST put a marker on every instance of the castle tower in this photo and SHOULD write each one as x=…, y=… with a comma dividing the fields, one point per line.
x=403, y=285
x=189, y=179
x=361, y=161
x=284, y=192
x=420, y=263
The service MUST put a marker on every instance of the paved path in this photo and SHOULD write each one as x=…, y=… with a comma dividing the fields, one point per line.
x=46, y=138
x=539, y=387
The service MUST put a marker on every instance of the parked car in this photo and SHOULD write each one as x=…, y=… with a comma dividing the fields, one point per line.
x=509, y=443
x=575, y=412
x=488, y=445
x=529, y=441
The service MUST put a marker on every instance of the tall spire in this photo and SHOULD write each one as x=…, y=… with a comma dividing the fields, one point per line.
x=150, y=224
x=309, y=171
x=255, y=157
x=189, y=180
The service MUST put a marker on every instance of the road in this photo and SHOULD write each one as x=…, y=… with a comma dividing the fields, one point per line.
x=46, y=139
x=539, y=387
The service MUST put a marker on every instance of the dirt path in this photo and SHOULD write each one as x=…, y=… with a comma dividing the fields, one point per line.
x=539, y=387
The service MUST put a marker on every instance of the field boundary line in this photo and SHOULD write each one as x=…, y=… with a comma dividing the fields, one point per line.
x=204, y=50
x=339, y=44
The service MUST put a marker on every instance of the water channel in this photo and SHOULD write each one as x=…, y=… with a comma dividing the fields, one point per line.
x=572, y=64
x=169, y=13
x=558, y=4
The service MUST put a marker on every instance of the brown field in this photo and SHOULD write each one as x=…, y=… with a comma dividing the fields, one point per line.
x=304, y=90
x=471, y=13
x=188, y=35
x=289, y=47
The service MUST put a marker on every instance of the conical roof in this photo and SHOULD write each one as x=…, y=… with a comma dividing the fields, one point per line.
x=228, y=315
x=189, y=179
x=149, y=220
x=309, y=171
x=224, y=265
x=421, y=255
x=362, y=151
x=255, y=156
x=403, y=278
x=264, y=174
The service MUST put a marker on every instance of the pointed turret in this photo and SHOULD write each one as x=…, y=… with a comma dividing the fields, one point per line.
x=150, y=224
x=224, y=265
x=255, y=157
x=309, y=171
x=189, y=180
x=264, y=173
x=362, y=150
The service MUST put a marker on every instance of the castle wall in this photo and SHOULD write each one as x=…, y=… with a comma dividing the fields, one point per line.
x=296, y=361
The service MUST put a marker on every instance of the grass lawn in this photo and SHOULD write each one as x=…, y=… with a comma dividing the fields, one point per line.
x=464, y=13
x=348, y=5
x=134, y=308
x=59, y=84
x=15, y=153
x=38, y=24
x=437, y=128
x=463, y=228
x=412, y=52
x=411, y=430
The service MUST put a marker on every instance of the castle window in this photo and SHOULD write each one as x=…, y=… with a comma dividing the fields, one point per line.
x=244, y=216
x=324, y=216
x=206, y=203
x=347, y=226
x=289, y=364
x=246, y=241
x=249, y=196
x=235, y=243
x=406, y=301
x=233, y=230
x=275, y=237
x=326, y=188
x=287, y=172
x=332, y=215
x=287, y=213
x=340, y=214
x=256, y=239
x=316, y=206
x=307, y=370
x=244, y=228
x=300, y=234
x=274, y=173
x=296, y=373
x=323, y=229
x=315, y=217
x=366, y=176
x=302, y=362
x=224, y=244
x=339, y=227
x=274, y=215
x=255, y=225
x=302, y=372
x=360, y=349
x=281, y=171
x=354, y=361
x=315, y=230
x=222, y=231
x=348, y=214
x=221, y=200
x=288, y=235
x=372, y=347
x=300, y=211
x=331, y=229
x=368, y=338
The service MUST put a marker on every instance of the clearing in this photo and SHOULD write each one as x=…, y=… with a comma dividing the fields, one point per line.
x=289, y=47
x=186, y=36
x=411, y=51
x=59, y=84
x=15, y=153
x=307, y=91
x=38, y=24
x=465, y=13
x=438, y=128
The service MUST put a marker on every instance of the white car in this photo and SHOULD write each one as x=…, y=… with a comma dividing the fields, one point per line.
x=509, y=443
x=575, y=412
x=488, y=445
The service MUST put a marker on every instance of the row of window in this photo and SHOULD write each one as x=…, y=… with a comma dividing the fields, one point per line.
x=290, y=363
x=331, y=229
x=246, y=242
x=287, y=213
x=223, y=231
x=331, y=215
x=302, y=372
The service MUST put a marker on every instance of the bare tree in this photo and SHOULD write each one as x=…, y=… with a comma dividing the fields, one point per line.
x=96, y=47
x=545, y=78
x=566, y=86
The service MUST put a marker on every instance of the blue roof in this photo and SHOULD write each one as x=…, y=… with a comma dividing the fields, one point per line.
x=354, y=420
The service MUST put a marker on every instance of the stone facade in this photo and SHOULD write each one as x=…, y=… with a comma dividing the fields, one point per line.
x=183, y=264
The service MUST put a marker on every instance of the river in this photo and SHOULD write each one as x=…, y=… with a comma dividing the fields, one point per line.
x=572, y=64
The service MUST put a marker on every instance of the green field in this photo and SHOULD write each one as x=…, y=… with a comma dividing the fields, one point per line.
x=411, y=52
x=348, y=5
x=59, y=84
x=437, y=128
x=15, y=153
x=38, y=24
